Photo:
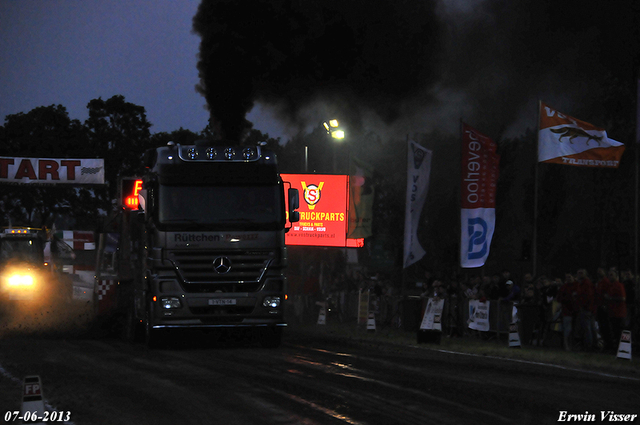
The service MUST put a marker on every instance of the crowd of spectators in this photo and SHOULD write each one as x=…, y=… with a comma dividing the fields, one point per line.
x=590, y=314
x=587, y=313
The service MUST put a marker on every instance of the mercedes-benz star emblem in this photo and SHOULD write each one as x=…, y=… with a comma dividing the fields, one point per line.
x=222, y=265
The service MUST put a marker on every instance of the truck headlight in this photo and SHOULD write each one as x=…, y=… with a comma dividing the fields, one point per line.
x=170, y=303
x=271, y=302
x=18, y=280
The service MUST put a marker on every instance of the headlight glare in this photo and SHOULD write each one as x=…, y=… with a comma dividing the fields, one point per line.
x=20, y=280
x=170, y=303
x=271, y=302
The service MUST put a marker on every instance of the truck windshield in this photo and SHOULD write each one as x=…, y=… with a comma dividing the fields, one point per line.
x=21, y=250
x=221, y=207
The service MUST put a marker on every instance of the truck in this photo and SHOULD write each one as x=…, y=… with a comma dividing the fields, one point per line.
x=198, y=243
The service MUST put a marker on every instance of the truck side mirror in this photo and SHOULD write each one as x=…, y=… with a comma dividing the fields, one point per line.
x=294, y=204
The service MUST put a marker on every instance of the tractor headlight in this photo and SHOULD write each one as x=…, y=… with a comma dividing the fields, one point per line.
x=20, y=280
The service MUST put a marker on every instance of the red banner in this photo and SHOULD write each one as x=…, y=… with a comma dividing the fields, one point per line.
x=480, y=168
x=323, y=210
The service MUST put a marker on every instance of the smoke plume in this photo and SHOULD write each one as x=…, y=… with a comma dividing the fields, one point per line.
x=408, y=61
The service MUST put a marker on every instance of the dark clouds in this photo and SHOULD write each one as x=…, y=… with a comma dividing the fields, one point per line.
x=485, y=60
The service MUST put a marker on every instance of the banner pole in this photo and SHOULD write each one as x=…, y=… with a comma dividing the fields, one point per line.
x=459, y=199
x=534, y=242
x=404, y=271
x=636, y=146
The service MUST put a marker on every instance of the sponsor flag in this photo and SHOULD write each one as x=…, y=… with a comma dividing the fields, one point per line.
x=51, y=171
x=480, y=169
x=566, y=140
x=360, y=199
x=418, y=171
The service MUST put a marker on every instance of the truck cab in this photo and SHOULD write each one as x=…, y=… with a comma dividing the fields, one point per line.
x=204, y=246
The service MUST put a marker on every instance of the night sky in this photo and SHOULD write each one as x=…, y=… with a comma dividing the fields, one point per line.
x=70, y=52
x=408, y=65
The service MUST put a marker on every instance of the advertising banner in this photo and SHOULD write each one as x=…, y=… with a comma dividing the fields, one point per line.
x=14, y=170
x=480, y=169
x=479, y=315
x=418, y=172
x=432, y=319
x=566, y=140
x=323, y=210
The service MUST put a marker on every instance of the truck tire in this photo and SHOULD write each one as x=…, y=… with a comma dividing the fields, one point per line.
x=271, y=337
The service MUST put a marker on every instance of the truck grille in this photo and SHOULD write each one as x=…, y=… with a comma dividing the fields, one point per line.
x=197, y=274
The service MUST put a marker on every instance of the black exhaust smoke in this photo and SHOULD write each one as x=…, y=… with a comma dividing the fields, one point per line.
x=486, y=60
x=290, y=53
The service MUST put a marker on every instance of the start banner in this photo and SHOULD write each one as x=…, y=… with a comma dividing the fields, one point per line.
x=14, y=170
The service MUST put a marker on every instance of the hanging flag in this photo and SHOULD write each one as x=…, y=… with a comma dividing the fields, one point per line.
x=360, y=199
x=480, y=169
x=566, y=140
x=418, y=171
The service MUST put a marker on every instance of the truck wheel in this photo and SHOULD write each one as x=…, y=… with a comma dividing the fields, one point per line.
x=271, y=337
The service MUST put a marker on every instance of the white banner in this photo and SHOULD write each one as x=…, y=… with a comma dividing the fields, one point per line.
x=432, y=319
x=418, y=171
x=51, y=171
x=477, y=227
x=479, y=315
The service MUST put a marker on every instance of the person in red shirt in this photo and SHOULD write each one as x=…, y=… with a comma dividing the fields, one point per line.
x=567, y=297
x=585, y=305
x=602, y=316
x=616, y=300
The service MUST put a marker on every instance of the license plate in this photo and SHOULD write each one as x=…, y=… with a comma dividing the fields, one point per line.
x=222, y=301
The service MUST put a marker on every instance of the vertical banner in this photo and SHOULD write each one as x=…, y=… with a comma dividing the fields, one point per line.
x=480, y=168
x=418, y=171
x=360, y=199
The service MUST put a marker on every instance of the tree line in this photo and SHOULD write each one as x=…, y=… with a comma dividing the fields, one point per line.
x=586, y=216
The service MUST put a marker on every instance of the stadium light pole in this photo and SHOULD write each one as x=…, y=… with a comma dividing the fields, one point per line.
x=333, y=129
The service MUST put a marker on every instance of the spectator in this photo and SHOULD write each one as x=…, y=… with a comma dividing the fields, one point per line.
x=529, y=290
x=567, y=296
x=504, y=289
x=546, y=294
x=629, y=284
x=602, y=316
x=585, y=309
x=454, y=301
x=494, y=291
x=615, y=299
x=514, y=292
